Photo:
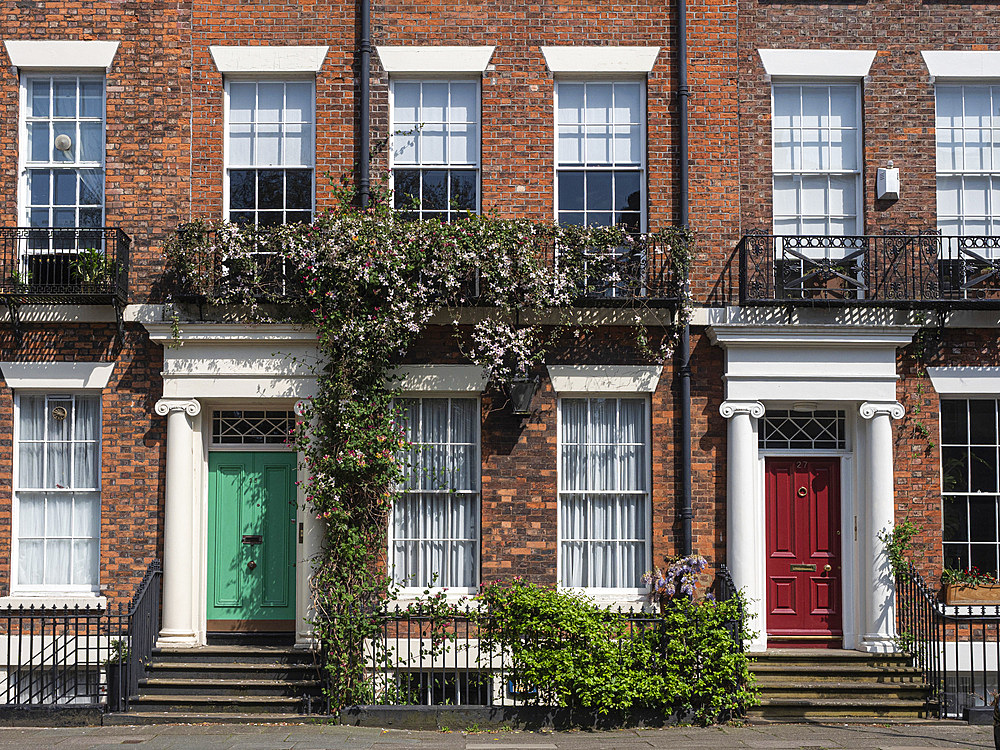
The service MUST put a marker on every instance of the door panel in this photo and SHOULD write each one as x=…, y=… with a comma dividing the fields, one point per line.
x=251, y=527
x=803, y=551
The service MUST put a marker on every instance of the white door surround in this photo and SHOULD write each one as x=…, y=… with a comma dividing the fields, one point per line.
x=213, y=365
x=825, y=367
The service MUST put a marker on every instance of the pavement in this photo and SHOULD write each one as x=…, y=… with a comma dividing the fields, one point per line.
x=331, y=737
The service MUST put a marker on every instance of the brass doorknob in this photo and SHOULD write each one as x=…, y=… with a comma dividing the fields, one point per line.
x=803, y=492
x=251, y=565
x=827, y=567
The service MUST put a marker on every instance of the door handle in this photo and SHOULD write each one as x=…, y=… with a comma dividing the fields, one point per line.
x=251, y=565
x=827, y=568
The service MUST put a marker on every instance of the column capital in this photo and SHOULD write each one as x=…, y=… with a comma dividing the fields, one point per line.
x=730, y=409
x=166, y=405
x=892, y=409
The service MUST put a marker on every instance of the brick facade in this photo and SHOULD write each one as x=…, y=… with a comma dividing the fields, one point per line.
x=164, y=163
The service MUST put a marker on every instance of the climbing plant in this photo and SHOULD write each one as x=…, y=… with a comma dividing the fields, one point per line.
x=370, y=282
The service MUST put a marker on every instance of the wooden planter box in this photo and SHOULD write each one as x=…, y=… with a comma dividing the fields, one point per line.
x=961, y=593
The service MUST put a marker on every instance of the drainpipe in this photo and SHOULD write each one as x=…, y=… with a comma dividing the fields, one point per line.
x=684, y=355
x=365, y=51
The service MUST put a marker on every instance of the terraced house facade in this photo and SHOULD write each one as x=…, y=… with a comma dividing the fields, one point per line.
x=839, y=178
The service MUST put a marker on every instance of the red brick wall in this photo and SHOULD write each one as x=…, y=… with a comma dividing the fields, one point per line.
x=147, y=115
x=132, y=445
x=897, y=98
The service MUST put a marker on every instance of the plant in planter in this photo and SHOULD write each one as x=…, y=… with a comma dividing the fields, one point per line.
x=677, y=582
x=114, y=667
x=90, y=268
x=970, y=586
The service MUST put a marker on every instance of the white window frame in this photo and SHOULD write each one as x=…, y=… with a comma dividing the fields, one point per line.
x=25, y=164
x=16, y=587
x=858, y=172
x=643, y=146
x=631, y=595
x=446, y=166
x=968, y=543
x=992, y=216
x=225, y=135
x=453, y=592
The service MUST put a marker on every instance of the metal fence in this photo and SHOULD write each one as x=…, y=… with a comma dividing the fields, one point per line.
x=956, y=647
x=79, y=655
x=64, y=263
x=419, y=657
x=888, y=269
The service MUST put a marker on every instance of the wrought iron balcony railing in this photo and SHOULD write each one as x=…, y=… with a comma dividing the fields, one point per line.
x=63, y=266
x=71, y=265
x=886, y=270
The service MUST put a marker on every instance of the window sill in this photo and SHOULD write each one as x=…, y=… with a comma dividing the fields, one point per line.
x=631, y=600
x=60, y=601
x=452, y=596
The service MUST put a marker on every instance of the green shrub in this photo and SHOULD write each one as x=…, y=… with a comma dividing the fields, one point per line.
x=580, y=656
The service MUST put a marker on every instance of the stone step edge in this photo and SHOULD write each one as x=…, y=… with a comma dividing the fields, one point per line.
x=194, y=681
x=138, y=718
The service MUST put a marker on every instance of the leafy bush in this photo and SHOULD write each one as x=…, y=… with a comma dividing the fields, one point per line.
x=581, y=656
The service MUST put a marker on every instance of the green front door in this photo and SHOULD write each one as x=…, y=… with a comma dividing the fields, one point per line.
x=251, y=541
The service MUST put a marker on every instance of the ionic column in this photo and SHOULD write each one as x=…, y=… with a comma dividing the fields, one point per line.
x=745, y=511
x=880, y=609
x=179, y=561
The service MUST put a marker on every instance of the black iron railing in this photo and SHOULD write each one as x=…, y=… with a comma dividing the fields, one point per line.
x=143, y=627
x=416, y=656
x=956, y=647
x=889, y=270
x=64, y=265
x=725, y=590
x=58, y=656
x=214, y=265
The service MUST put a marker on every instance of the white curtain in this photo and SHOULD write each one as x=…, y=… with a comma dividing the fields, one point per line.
x=604, y=492
x=58, y=491
x=436, y=521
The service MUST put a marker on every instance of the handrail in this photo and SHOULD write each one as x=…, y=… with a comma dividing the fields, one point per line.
x=956, y=647
x=889, y=269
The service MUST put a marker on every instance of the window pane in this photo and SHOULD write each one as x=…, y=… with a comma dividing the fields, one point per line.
x=435, y=189
x=298, y=102
x=38, y=98
x=983, y=512
x=432, y=144
x=571, y=100
x=982, y=422
x=955, y=469
x=242, y=100
x=599, y=103
x=298, y=189
x=599, y=191
x=463, y=102
x=463, y=145
x=628, y=97
x=270, y=189
x=298, y=145
x=242, y=188
x=571, y=191
x=954, y=421
x=464, y=191
x=64, y=97
x=627, y=191
x=434, y=102
x=270, y=102
x=406, y=188
x=38, y=142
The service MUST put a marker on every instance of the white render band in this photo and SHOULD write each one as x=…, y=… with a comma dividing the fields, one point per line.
x=434, y=59
x=60, y=53
x=268, y=58
x=965, y=381
x=57, y=375
x=600, y=59
x=817, y=63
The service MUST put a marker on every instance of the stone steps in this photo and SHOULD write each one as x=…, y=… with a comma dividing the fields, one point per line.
x=825, y=684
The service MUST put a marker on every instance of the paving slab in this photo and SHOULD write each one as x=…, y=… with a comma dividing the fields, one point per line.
x=332, y=737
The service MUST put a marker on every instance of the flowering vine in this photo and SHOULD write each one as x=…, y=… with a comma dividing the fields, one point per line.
x=370, y=282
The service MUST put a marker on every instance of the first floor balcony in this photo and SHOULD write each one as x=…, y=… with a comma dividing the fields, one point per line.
x=63, y=265
x=889, y=270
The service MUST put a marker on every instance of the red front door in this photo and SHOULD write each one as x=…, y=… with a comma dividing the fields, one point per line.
x=803, y=552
